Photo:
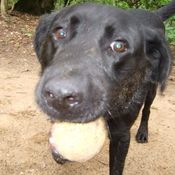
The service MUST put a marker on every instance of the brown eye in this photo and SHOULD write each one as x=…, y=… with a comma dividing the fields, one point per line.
x=119, y=46
x=59, y=34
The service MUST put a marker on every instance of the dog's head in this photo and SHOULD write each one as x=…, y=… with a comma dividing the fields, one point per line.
x=97, y=57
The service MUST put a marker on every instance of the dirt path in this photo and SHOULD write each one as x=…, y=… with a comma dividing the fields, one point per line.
x=23, y=128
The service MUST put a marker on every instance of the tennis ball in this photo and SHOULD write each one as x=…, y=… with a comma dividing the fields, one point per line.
x=78, y=141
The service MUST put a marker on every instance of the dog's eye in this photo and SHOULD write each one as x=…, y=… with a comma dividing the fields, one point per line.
x=60, y=34
x=119, y=46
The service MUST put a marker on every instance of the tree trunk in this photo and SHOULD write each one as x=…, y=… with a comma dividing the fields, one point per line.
x=35, y=7
x=3, y=7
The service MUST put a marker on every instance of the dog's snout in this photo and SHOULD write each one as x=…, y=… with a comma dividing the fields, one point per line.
x=71, y=96
x=62, y=94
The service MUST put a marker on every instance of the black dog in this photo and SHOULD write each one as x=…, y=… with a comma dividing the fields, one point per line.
x=100, y=60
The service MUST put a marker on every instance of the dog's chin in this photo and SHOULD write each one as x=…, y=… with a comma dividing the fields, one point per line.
x=77, y=117
x=73, y=118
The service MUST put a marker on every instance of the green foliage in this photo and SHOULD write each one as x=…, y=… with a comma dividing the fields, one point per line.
x=152, y=4
x=59, y=4
x=12, y=2
x=118, y=3
x=170, y=29
x=146, y=4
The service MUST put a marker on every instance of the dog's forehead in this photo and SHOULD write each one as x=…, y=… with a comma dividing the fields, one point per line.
x=95, y=19
x=97, y=14
x=96, y=22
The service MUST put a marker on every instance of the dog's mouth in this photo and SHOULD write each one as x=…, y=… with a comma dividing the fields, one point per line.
x=87, y=113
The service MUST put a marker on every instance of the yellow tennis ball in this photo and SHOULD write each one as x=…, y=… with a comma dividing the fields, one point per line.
x=78, y=141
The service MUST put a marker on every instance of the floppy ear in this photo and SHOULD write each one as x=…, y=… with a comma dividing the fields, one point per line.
x=41, y=38
x=159, y=56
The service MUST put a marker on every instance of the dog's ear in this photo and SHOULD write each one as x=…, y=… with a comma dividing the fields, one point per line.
x=159, y=55
x=41, y=36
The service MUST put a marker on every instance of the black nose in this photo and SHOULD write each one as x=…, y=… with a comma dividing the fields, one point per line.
x=62, y=94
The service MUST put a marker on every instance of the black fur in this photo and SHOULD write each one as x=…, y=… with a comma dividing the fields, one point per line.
x=83, y=77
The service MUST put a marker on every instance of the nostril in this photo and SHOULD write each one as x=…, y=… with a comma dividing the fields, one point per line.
x=49, y=94
x=72, y=100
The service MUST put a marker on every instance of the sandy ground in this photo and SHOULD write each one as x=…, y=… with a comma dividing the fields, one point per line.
x=24, y=129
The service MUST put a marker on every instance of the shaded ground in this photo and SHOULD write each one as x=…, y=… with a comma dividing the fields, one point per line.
x=23, y=128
